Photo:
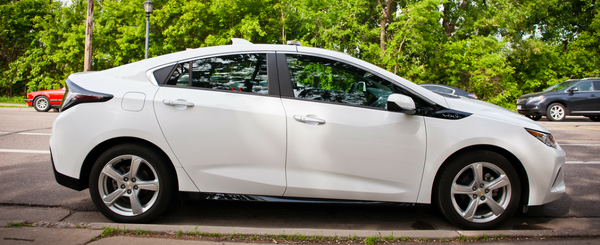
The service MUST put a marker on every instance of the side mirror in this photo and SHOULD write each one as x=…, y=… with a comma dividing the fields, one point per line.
x=572, y=90
x=401, y=103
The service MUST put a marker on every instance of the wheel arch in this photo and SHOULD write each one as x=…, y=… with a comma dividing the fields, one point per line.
x=523, y=177
x=90, y=159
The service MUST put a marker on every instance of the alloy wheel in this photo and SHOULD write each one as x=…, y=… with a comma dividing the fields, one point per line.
x=128, y=185
x=481, y=192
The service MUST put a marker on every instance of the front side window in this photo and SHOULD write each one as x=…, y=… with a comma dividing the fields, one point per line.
x=241, y=73
x=316, y=78
x=584, y=86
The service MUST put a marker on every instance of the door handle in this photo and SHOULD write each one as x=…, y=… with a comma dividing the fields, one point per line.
x=309, y=120
x=179, y=103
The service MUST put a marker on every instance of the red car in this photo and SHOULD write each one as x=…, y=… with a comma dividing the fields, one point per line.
x=45, y=99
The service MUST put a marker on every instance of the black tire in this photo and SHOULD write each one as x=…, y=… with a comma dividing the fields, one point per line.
x=595, y=118
x=41, y=104
x=454, y=200
x=556, y=112
x=152, y=171
x=535, y=117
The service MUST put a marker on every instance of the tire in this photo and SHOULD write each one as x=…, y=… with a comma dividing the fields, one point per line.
x=495, y=198
x=556, y=112
x=112, y=180
x=595, y=118
x=535, y=117
x=41, y=104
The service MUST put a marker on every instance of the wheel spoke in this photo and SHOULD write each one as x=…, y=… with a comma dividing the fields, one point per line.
x=494, y=206
x=478, y=173
x=469, y=213
x=135, y=165
x=136, y=207
x=112, y=173
x=148, y=185
x=112, y=197
x=462, y=189
x=500, y=182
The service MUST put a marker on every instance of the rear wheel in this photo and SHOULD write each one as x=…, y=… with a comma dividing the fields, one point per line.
x=130, y=183
x=535, y=117
x=595, y=118
x=478, y=190
x=556, y=112
x=41, y=104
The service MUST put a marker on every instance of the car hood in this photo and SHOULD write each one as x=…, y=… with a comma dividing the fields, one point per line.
x=485, y=109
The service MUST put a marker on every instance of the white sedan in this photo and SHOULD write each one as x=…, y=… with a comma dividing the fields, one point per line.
x=286, y=122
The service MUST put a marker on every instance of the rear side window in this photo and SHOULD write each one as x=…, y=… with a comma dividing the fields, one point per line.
x=596, y=85
x=241, y=73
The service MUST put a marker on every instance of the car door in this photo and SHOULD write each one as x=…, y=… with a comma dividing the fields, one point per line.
x=583, y=99
x=596, y=96
x=342, y=142
x=224, y=121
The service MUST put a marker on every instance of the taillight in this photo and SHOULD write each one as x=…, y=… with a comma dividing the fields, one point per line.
x=77, y=95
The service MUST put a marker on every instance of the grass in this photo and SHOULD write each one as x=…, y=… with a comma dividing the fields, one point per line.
x=286, y=238
x=16, y=224
x=13, y=100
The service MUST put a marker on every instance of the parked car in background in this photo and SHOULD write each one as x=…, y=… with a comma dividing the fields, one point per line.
x=291, y=123
x=446, y=89
x=577, y=97
x=44, y=100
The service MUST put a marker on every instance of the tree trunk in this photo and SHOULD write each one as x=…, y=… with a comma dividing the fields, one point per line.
x=87, y=60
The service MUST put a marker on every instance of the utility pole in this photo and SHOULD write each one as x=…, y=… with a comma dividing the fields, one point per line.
x=89, y=24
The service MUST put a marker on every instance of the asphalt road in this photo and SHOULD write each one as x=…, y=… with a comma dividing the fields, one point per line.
x=26, y=178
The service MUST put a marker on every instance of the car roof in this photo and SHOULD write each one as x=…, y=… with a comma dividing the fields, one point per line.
x=139, y=68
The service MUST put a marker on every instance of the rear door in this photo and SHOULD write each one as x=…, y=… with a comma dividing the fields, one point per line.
x=224, y=120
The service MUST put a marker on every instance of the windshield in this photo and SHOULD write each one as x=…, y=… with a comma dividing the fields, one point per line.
x=561, y=86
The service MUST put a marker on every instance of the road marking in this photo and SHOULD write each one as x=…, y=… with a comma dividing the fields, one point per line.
x=42, y=134
x=580, y=144
x=595, y=128
x=582, y=162
x=24, y=151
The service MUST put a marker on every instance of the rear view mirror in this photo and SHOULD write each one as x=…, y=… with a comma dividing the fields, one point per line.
x=401, y=103
x=572, y=90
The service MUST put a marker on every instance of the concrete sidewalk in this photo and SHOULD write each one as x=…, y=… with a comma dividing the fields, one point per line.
x=48, y=227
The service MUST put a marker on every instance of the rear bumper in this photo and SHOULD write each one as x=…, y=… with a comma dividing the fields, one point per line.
x=65, y=180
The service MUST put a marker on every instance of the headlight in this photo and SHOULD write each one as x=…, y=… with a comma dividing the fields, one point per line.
x=545, y=138
x=536, y=98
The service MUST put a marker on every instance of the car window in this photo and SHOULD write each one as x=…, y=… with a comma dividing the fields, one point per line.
x=584, y=86
x=596, y=85
x=316, y=78
x=180, y=75
x=241, y=72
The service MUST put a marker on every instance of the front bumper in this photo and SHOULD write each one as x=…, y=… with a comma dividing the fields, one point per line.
x=531, y=109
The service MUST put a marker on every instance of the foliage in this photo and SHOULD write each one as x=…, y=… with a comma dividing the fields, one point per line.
x=498, y=50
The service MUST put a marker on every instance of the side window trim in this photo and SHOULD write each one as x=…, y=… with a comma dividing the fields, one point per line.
x=285, y=81
x=273, y=75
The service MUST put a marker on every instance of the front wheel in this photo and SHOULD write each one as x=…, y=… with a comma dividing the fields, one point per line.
x=479, y=190
x=130, y=183
x=535, y=117
x=556, y=112
x=41, y=104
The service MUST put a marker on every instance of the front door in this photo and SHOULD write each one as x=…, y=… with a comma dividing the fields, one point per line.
x=342, y=142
